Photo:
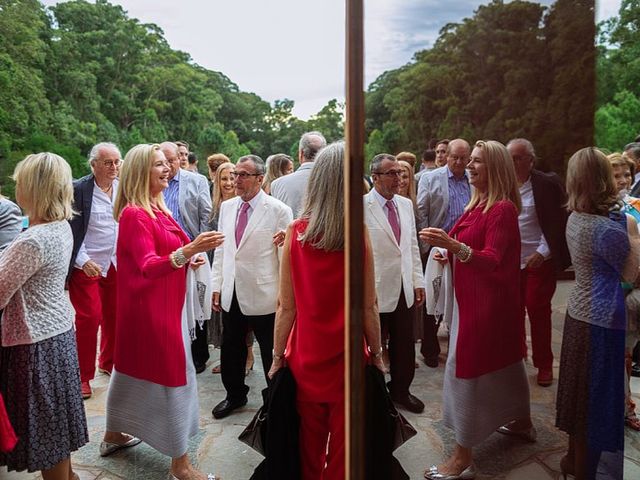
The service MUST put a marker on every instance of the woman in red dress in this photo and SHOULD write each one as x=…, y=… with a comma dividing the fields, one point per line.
x=153, y=390
x=485, y=385
x=311, y=316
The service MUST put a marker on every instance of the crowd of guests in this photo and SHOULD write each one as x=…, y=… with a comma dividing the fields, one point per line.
x=161, y=262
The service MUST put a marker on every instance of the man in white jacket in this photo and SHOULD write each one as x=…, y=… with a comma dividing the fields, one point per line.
x=245, y=275
x=391, y=222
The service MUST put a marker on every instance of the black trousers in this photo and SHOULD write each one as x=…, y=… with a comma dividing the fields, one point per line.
x=402, y=353
x=233, y=353
x=200, y=346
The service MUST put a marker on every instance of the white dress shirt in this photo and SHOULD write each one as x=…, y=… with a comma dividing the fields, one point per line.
x=531, y=236
x=102, y=232
x=383, y=203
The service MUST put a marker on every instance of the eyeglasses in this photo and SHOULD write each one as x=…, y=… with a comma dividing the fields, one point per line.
x=244, y=175
x=111, y=163
x=457, y=158
x=391, y=173
x=521, y=158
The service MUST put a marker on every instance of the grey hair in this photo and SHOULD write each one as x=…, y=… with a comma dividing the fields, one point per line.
x=310, y=144
x=527, y=144
x=378, y=159
x=324, y=200
x=258, y=163
x=634, y=149
x=93, y=154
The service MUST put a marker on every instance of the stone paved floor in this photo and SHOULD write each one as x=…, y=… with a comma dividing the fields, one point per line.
x=217, y=450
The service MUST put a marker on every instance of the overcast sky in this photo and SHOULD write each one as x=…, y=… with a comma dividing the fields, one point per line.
x=295, y=48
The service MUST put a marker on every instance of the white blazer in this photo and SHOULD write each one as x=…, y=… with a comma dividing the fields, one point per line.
x=252, y=267
x=395, y=265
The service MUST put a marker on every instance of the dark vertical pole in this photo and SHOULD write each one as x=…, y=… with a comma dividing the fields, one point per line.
x=354, y=298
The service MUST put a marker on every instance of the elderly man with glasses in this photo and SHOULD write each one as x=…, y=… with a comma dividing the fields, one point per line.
x=391, y=222
x=442, y=195
x=245, y=275
x=92, y=273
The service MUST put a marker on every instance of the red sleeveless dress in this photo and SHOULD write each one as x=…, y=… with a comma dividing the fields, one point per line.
x=315, y=349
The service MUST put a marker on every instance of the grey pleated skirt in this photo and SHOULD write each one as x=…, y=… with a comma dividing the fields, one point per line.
x=163, y=417
x=474, y=408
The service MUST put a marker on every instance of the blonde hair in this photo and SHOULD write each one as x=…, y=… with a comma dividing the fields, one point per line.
x=616, y=160
x=217, y=191
x=501, y=177
x=134, y=185
x=324, y=201
x=45, y=184
x=276, y=166
x=590, y=184
x=411, y=192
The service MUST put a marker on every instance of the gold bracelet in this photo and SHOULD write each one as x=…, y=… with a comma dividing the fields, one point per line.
x=177, y=258
x=278, y=357
x=464, y=254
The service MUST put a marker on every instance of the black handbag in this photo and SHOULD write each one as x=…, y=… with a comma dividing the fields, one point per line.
x=403, y=430
x=256, y=432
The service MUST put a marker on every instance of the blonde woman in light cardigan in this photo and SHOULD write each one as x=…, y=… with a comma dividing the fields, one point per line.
x=39, y=370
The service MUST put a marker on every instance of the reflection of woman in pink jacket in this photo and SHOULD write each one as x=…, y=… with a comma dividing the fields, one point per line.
x=485, y=386
x=153, y=391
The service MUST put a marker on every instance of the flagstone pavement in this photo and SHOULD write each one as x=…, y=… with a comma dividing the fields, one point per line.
x=217, y=450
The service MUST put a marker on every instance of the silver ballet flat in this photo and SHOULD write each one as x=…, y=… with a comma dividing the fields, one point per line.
x=529, y=435
x=107, y=448
x=467, y=474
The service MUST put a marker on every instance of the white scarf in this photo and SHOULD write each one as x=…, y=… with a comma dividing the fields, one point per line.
x=439, y=288
x=197, y=302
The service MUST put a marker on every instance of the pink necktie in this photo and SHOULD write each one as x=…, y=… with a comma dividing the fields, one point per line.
x=393, y=220
x=242, y=222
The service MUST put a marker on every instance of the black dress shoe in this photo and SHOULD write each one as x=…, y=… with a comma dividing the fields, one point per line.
x=411, y=403
x=635, y=370
x=226, y=406
x=431, y=361
x=200, y=367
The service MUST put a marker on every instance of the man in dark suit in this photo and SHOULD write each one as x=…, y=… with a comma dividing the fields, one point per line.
x=92, y=273
x=544, y=252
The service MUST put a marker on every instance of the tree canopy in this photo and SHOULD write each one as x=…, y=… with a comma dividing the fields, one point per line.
x=515, y=69
x=80, y=73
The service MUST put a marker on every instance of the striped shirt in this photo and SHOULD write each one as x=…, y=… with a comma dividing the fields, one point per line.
x=171, y=198
x=459, y=196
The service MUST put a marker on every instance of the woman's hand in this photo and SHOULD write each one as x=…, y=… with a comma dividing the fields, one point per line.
x=379, y=363
x=278, y=238
x=276, y=365
x=202, y=243
x=441, y=259
x=197, y=262
x=436, y=237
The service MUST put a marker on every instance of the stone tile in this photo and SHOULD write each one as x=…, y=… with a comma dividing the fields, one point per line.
x=530, y=471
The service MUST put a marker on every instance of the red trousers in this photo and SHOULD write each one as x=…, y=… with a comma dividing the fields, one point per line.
x=537, y=288
x=322, y=424
x=94, y=300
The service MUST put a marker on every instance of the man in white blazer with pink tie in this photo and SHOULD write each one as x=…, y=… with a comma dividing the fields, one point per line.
x=390, y=220
x=245, y=274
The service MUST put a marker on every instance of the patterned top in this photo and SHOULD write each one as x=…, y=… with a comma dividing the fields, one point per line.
x=32, y=274
x=599, y=247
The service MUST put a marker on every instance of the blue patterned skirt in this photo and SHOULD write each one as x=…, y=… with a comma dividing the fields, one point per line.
x=40, y=384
